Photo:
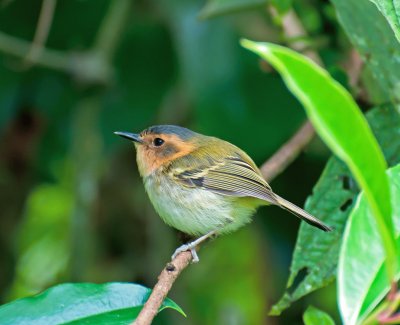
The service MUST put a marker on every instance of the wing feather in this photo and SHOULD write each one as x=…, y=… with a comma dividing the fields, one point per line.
x=234, y=175
x=231, y=176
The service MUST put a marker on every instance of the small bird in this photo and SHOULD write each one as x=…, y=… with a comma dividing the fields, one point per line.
x=202, y=185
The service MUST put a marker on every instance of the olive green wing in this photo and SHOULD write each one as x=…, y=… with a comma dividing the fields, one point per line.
x=232, y=176
x=235, y=176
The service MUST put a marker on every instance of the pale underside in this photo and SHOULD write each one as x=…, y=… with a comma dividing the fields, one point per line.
x=198, y=211
x=220, y=195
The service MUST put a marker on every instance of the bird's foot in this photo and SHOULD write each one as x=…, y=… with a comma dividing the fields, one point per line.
x=192, y=246
x=187, y=247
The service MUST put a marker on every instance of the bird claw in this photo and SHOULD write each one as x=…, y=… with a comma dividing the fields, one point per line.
x=184, y=248
x=195, y=257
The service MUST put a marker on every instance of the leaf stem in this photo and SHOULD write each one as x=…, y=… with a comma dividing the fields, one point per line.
x=288, y=152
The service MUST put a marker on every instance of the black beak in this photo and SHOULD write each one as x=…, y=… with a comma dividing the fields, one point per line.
x=130, y=136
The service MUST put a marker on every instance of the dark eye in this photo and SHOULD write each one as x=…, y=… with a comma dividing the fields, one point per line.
x=158, y=142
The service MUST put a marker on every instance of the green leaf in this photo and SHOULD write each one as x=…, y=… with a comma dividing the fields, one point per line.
x=317, y=252
x=362, y=280
x=312, y=85
x=340, y=123
x=391, y=11
x=337, y=119
x=314, y=316
x=375, y=41
x=81, y=303
x=333, y=196
x=215, y=8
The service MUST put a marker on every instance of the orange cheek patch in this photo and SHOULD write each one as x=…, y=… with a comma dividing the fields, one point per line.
x=152, y=158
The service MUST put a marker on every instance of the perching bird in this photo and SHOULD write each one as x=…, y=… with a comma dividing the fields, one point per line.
x=202, y=185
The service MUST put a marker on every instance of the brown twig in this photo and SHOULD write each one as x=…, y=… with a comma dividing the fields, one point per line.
x=288, y=152
x=353, y=67
x=165, y=281
x=293, y=29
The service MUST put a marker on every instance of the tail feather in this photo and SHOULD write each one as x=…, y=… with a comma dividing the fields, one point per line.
x=300, y=213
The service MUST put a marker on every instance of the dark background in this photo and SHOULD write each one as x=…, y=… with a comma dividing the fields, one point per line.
x=72, y=205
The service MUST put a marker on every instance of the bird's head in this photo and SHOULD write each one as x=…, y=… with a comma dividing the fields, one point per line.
x=160, y=144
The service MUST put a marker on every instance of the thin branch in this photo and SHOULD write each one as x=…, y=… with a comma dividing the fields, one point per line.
x=90, y=66
x=353, y=67
x=87, y=67
x=293, y=29
x=42, y=32
x=110, y=31
x=53, y=59
x=288, y=152
x=5, y=3
x=165, y=281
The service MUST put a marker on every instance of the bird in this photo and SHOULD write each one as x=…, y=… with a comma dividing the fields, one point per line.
x=202, y=185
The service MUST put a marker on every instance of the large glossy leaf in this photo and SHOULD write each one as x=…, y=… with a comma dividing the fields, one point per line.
x=391, y=10
x=305, y=88
x=81, y=303
x=333, y=195
x=376, y=43
x=314, y=316
x=222, y=7
x=340, y=123
x=362, y=280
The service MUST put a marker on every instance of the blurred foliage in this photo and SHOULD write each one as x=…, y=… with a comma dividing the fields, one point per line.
x=72, y=205
x=44, y=247
x=222, y=7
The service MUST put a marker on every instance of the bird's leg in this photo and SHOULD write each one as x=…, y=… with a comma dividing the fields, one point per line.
x=192, y=246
